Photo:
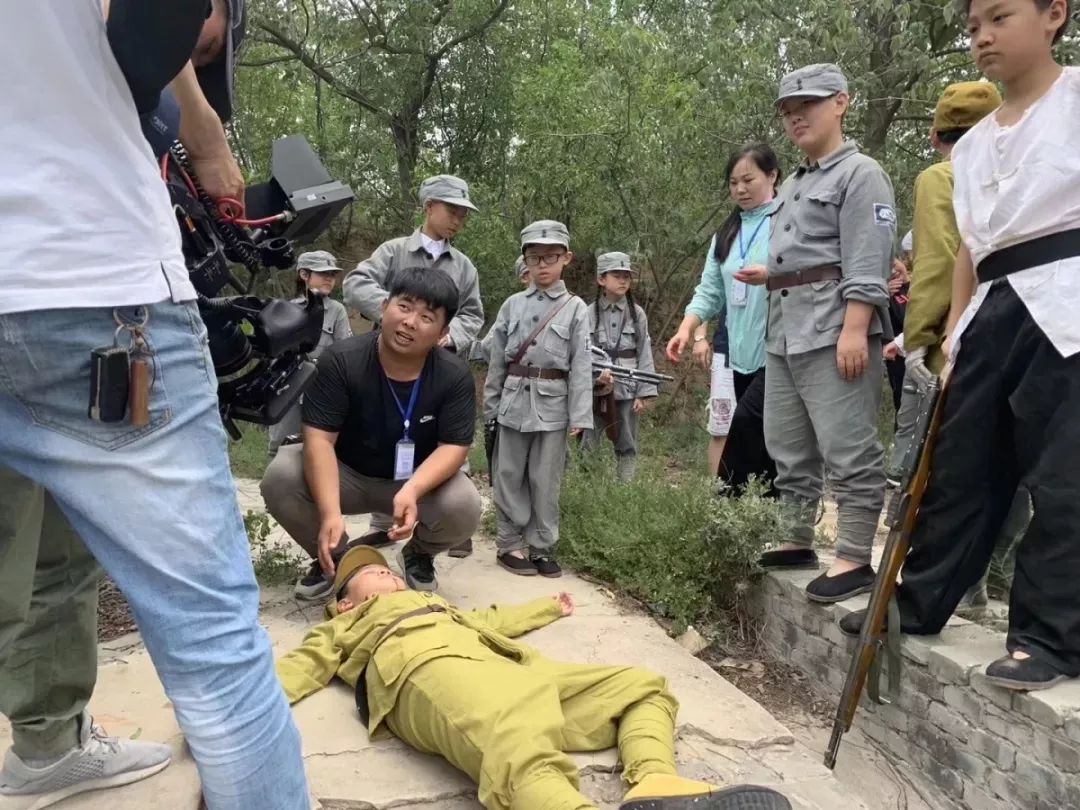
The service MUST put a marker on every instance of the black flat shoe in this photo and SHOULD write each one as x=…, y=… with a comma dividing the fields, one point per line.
x=827, y=590
x=790, y=558
x=851, y=625
x=1028, y=675
x=546, y=566
x=517, y=565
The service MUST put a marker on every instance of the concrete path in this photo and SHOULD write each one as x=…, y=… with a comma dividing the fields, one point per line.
x=723, y=736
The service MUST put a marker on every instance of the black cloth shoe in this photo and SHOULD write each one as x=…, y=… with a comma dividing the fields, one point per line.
x=790, y=558
x=418, y=567
x=1028, y=675
x=375, y=539
x=517, y=565
x=826, y=589
x=462, y=551
x=851, y=625
x=546, y=566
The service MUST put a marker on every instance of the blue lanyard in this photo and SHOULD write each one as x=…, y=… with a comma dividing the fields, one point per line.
x=744, y=251
x=406, y=415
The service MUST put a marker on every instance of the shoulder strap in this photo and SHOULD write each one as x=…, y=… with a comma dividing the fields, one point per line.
x=555, y=310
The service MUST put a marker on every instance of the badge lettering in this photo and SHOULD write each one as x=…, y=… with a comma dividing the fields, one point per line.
x=884, y=215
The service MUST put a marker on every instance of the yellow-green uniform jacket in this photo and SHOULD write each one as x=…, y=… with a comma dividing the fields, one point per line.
x=936, y=243
x=342, y=645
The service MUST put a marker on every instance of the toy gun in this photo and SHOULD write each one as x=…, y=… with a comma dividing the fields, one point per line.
x=604, y=405
x=876, y=632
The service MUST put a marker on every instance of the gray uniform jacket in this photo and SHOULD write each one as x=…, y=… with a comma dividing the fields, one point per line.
x=615, y=332
x=530, y=404
x=839, y=212
x=335, y=325
x=365, y=287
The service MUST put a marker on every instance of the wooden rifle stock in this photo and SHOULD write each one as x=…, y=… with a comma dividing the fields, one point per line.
x=916, y=476
x=605, y=415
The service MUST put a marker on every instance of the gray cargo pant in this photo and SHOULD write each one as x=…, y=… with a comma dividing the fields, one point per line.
x=48, y=620
x=625, y=445
x=449, y=514
x=529, y=471
x=815, y=421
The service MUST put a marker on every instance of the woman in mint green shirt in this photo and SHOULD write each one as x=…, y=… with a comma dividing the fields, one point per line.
x=753, y=174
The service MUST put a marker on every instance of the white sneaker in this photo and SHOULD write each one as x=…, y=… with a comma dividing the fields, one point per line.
x=98, y=762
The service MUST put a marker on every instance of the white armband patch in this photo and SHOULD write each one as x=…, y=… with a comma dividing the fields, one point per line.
x=884, y=215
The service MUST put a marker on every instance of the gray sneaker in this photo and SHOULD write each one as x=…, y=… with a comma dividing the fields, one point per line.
x=313, y=586
x=99, y=762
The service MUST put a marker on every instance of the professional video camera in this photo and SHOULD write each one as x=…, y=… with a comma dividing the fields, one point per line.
x=258, y=345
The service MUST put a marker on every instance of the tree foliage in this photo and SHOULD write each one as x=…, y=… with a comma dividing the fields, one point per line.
x=616, y=117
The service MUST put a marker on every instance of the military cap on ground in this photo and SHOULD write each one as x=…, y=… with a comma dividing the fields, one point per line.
x=545, y=232
x=609, y=262
x=519, y=267
x=815, y=81
x=448, y=189
x=317, y=261
x=353, y=560
x=965, y=104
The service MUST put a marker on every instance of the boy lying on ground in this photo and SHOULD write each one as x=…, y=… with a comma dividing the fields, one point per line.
x=451, y=682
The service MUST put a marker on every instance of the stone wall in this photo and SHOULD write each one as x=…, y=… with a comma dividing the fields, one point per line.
x=970, y=743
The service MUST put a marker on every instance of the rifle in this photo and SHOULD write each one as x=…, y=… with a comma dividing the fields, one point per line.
x=491, y=441
x=602, y=362
x=865, y=661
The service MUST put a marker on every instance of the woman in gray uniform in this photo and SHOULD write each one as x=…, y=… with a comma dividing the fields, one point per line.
x=831, y=245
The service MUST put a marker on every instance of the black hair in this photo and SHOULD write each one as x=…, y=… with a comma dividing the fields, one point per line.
x=765, y=158
x=949, y=137
x=430, y=286
x=1043, y=5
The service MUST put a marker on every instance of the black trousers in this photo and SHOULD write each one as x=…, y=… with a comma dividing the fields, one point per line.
x=1012, y=418
x=744, y=451
x=895, y=371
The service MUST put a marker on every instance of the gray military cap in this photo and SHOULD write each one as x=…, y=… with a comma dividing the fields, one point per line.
x=545, y=232
x=519, y=267
x=448, y=189
x=317, y=261
x=815, y=81
x=608, y=262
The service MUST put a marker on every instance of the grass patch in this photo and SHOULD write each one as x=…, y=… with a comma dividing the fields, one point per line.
x=273, y=564
x=247, y=457
x=667, y=538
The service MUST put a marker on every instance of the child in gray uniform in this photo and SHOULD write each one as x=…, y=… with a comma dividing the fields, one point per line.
x=830, y=251
x=619, y=327
x=539, y=384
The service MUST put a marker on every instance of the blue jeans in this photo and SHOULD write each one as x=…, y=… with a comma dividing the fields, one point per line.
x=157, y=506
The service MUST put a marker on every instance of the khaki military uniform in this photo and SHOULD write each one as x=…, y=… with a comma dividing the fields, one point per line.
x=534, y=414
x=839, y=213
x=454, y=683
x=611, y=327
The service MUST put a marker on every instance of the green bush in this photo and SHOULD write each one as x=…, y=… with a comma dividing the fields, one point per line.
x=666, y=538
x=274, y=565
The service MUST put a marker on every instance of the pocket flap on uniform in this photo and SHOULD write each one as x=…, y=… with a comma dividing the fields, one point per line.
x=560, y=329
x=829, y=196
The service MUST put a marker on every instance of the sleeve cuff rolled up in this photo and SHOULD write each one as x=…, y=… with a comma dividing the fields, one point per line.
x=866, y=289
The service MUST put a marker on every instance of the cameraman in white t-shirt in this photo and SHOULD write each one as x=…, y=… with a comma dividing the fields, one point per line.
x=90, y=259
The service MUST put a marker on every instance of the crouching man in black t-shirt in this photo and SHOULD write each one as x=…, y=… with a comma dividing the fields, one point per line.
x=388, y=422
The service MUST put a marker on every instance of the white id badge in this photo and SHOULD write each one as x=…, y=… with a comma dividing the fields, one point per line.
x=738, y=293
x=404, y=456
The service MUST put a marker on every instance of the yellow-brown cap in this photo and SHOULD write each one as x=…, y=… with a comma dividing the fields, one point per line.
x=354, y=559
x=965, y=104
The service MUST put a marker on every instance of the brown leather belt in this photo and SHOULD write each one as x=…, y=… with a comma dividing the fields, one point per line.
x=533, y=372
x=828, y=272
x=624, y=354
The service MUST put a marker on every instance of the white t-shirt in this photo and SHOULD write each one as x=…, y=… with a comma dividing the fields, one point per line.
x=85, y=220
x=1017, y=183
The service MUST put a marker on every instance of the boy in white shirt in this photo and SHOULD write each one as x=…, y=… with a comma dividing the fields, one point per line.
x=1013, y=400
